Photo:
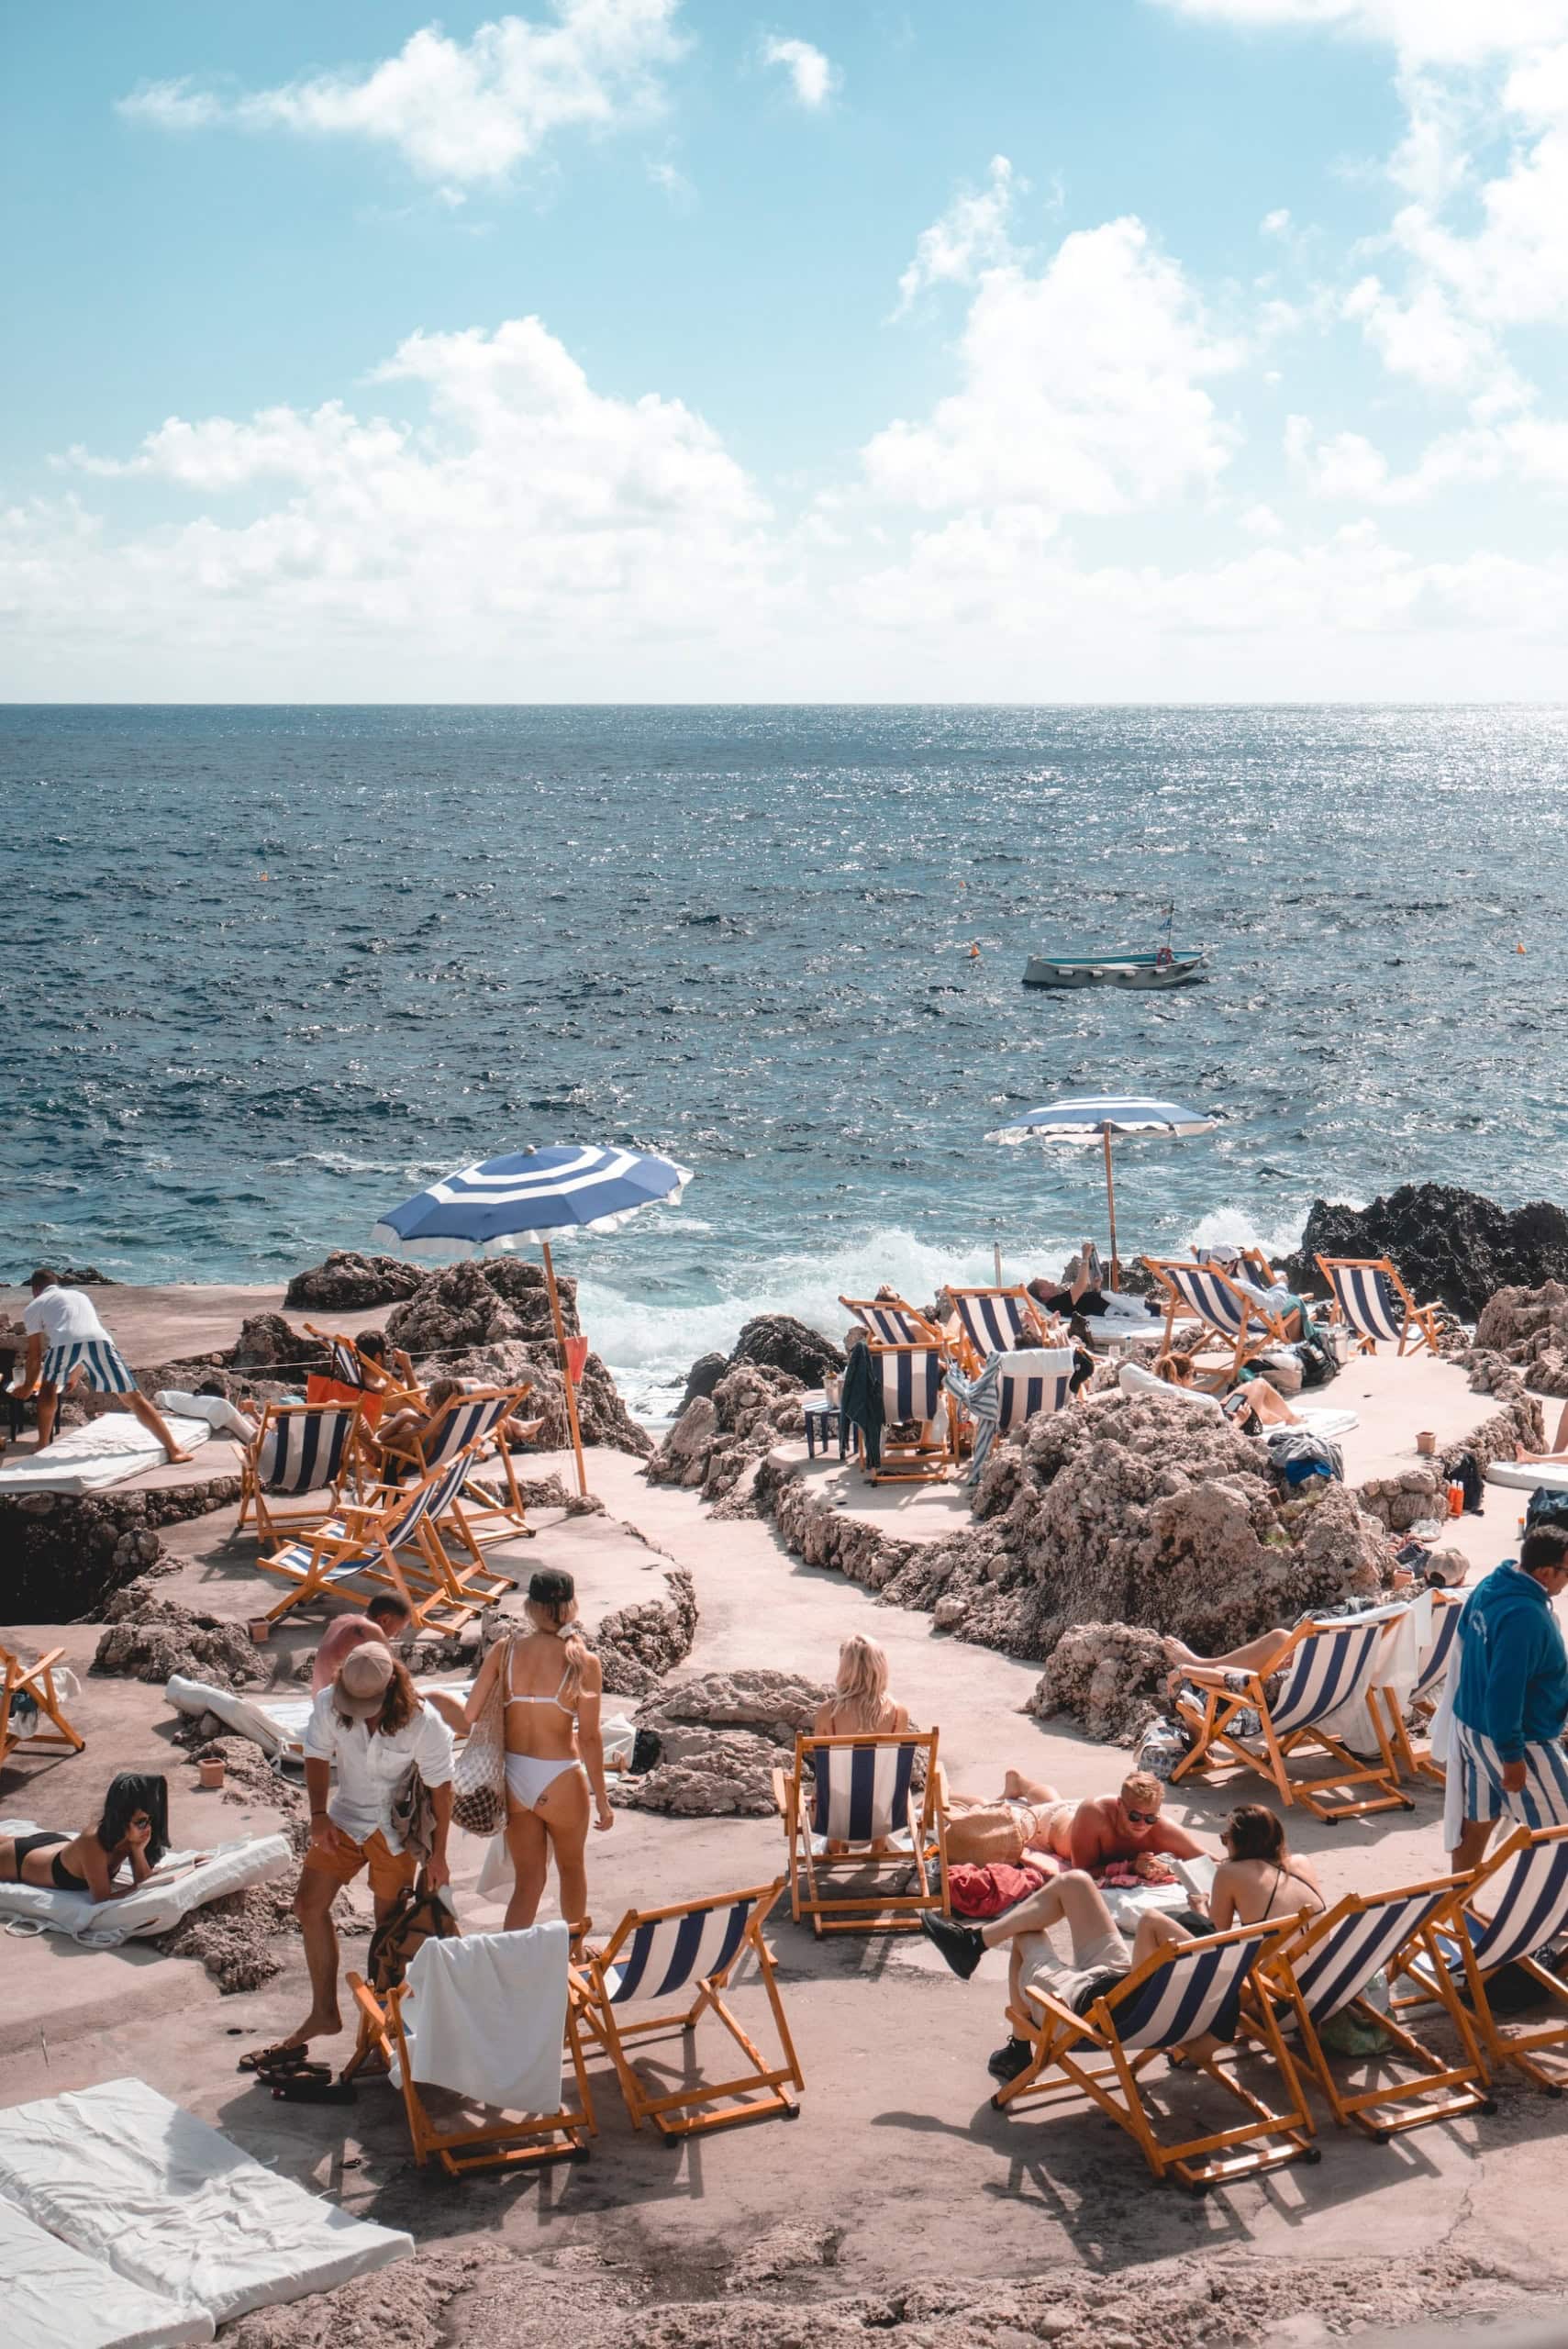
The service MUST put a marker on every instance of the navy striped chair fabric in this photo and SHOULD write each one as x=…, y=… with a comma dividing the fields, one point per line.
x=1340, y=1958
x=993, y=1319
x=467, y=1420
x=890, y=1324
x=1197, y=1990
x=666, y=1954
x=911, y=1382
x=1432, y=1670
x=1367, y=1298
x=861, y=1793
x=302, y=1446
x=1331, y=1669
x=1039, y=1380
x=347, y=1367
x=1213, y=1299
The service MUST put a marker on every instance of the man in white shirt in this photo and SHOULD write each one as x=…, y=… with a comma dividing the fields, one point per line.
x=371, y=1726
x=66, y=1342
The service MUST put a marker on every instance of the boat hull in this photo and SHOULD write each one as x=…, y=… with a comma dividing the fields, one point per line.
x=1142, y=972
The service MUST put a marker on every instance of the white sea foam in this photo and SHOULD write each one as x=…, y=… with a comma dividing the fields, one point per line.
x=1234, y=1228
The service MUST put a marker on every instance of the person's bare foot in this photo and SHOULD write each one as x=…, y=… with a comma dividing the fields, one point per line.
x=323, y=2024
x=175, y=1456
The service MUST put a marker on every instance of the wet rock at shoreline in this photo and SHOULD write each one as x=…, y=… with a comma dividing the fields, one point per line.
x=1449, y=1244
x=266, y=1341
x=475, y=1303
x=778, y=1342
x=347, y=1282
x=703, y=1378
x=719, y=1737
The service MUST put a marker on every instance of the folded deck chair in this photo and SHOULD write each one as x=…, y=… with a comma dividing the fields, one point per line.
x=688, y=1953
x=466, y=1424
x=28, y=1698
x=891, y=1323
x=1369, y=1294
x=391, y=1541
x=994, y=1320
x=1224, y=1307
x=1426, y=1690
x=1329, y=1664
x=491, y=2018
x=299, y=1449
x=1186, y=1991
x=1324, y=1967
x=1525, y=1885
x=1011, y=1388
x=843, y=1796
x=912, y=1395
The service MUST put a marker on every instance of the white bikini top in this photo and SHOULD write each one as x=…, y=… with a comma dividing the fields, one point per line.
x=570, y=1711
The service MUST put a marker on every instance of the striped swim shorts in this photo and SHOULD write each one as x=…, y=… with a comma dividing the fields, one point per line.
x=102, y=1365
x=1475, y=1787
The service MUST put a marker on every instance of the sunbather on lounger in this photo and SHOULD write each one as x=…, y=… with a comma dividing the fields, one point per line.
x=1253, y=1404
x=401, y=1431
x=134, y=1826
x=1078, y=1290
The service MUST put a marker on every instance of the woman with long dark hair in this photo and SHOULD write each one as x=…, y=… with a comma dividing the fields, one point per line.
x=134, y=1826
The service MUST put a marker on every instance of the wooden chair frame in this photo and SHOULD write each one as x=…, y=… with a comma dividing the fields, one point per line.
x=321, y=1500
x=927, y=1332
x=1419, y=1318
x=1068, y=2044
x=924, y=1461
x=925, y=1823
x=490, y=1516
x=1519, y=2044
x=1384, y=2111
x=686, y=2112
x=561, y=2135
x=36, y=1681
x=1245, y=1343
x=423, y=1573
x=1326, y=1797
x=971, y=1357
x=1413, y=1763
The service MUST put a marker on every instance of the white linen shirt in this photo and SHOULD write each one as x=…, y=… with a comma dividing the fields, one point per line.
x=372, y=1766
x=62, y=1317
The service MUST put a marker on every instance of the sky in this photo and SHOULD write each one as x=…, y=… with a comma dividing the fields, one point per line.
x=659, y=350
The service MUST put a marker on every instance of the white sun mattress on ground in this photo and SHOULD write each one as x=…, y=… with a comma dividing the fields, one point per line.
x=57, y=2299
x=176, y=1887
x=105, y=1452
x=124, y=2176
x=1530, y=1475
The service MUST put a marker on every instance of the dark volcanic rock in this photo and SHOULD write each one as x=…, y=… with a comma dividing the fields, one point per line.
x=349, y=1283
x=1449, y=1244
x=267, y=1342
x=703, y=1378
x=475, y=1303
x=778, y=1342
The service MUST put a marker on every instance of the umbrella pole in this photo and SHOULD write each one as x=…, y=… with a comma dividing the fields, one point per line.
x=565, y=1368
x=1110, y=1201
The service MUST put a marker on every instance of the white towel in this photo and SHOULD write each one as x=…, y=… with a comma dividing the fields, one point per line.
x=485, y=2017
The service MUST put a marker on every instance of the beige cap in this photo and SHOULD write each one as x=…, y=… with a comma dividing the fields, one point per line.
x=361, y=1680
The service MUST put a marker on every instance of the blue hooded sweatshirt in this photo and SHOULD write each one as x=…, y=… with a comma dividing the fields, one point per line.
x=1513, y=1668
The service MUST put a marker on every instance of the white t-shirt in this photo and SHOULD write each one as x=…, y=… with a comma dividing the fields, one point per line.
x=64, y=1317
x=372, y=1765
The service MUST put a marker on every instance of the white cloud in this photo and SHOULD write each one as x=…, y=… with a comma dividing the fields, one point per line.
x=1261, y=522
x=1424, y=337
x=973, y=233
x=461, y=111
x=813, y=77
x=1444, y=32
x=1530, y=448
x=1275, y=224
x=1082, y=390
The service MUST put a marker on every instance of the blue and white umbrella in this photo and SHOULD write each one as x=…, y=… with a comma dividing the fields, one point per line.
x=519, y=1201
x=1090, y=1118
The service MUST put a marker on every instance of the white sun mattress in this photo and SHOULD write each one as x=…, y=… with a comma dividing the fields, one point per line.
x=105, y=1452
x=57, y=2299
x=1530, y=1475
x=156, y=1906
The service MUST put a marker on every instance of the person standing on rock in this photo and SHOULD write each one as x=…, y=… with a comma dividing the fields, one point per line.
x=1510, y=1701
x=67, y=1342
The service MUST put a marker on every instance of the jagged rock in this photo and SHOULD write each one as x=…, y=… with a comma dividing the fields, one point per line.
x=704, y=1376
x=1450, y=1244
x=267, y=1342
x=715, y=1444
x=65, y=1553
x=600, y=1415
x=721, y=1736
x=636, y=1645
x=149, y=1638
x=1525, y=1330
x=778, y=1342
x=474, y=1304
x=1110, y=1676
x=347, y=1282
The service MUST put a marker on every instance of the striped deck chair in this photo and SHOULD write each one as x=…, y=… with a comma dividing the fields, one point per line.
x=1185, y=1991
x=386, y=1543
x=994, y=1320
x=468, y=1423
x=1369, y=1294
x=1327, y=1664
x=512, y=1964
x=844, y=1797
x=890, y=1322
x=688, y=1953
x=911, y=1393
x=299, y=1447
x=28, y=1698
x=1323, y=1968
x=1226, y=1310
x=1526, y=1879
x=1427, y=1688
x=1010, y=1389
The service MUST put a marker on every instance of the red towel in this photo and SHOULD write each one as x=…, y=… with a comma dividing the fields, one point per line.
x=988, y=1891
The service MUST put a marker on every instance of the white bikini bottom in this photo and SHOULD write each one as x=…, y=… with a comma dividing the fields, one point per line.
x=528, y=1777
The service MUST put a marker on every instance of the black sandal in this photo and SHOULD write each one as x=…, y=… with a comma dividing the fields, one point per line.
x=286, y=2056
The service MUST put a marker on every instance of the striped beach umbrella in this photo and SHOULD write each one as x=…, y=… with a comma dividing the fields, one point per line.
x=523, y=1200
x=1090, y=1118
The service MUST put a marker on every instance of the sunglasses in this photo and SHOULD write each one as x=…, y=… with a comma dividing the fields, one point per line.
x=1141, y=1818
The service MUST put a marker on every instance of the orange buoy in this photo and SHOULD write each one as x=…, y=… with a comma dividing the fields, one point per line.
x=974, y=952
x=1519, y=949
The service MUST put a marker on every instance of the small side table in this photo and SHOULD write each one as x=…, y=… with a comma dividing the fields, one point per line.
x=823, y=1421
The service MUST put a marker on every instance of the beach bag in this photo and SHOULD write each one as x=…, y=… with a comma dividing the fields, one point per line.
x=417, y=1916
x=1318, y=1364
x=988, y=1836
x=479, y=1768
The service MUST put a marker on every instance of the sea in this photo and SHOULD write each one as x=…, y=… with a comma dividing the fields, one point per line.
x=267, y=970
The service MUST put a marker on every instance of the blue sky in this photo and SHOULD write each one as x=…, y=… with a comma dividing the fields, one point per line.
x=627, y=349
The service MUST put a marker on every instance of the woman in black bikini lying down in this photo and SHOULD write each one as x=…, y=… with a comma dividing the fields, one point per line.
x=135, y=1825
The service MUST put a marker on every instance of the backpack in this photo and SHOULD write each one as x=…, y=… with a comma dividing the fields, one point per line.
x=1316, y=1358
x=416, y=1916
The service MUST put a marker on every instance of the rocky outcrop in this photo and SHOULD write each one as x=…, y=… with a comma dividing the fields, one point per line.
x=473, y=1303
x=717, y=1739
x=715, y=1444
x=149, y=1638
x=346, y=1282
x=267, y=1342
x=778, y=1342
x=1449, y=1244
x=704, y=1376
x=65, y=1553
x=637, y=1645
x=1420, y=1491
x=1527, y=1330
x=1109, y=1676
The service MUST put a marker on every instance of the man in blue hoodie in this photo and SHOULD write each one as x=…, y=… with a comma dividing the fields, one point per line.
x=1510, y=1701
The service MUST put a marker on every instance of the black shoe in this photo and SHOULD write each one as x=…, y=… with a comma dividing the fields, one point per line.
x=1009, y=2061
x=963, y=1946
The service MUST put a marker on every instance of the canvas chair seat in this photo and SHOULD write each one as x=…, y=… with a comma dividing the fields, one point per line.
x=890, y=1321
x=991, y=1321
x=1371, y=1299
x=28, y=1694
x=1226, y=1312
x=307, y=1451
x=392, y=1542
x=912, y=1378
x=843, y=1796
x=466, y=1424
x=1526, y=1880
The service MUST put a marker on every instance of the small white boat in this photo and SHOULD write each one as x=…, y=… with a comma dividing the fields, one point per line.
x=1165, y=966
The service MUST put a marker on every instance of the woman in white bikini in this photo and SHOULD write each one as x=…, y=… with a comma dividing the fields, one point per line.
x=551, y=1687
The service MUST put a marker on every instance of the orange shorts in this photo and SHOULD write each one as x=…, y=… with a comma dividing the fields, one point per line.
x=390, y=1871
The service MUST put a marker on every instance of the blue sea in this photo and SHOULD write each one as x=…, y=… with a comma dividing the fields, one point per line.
x=269, y=970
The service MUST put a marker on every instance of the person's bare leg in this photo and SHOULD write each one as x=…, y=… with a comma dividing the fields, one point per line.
x=1016, y=1788
x=1074, y=1898
x=48, y=1404
x=564, y=1807
x=1258, y=1655
x=528, y=1848
x=313, y=1907
x=156, y=1424
x=1470, y=1849
x=1269, y=1406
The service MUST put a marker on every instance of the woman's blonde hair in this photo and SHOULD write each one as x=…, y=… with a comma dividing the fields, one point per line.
x=551, y=1606
x=862, y=1681
x=1176, y=1370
